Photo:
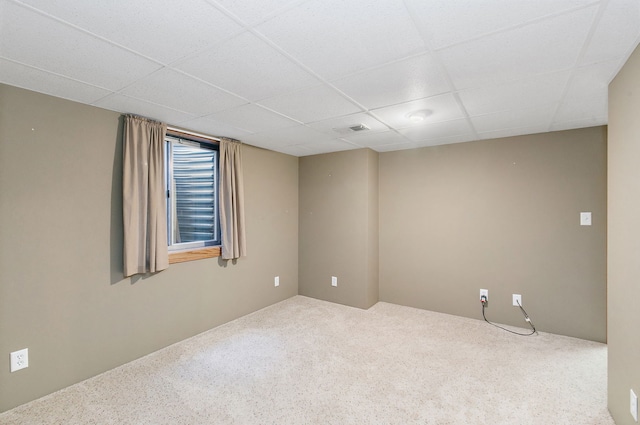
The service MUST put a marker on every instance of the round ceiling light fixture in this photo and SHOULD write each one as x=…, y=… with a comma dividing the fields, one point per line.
x=417, y=116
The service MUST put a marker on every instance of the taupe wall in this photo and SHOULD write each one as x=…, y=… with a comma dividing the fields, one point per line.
x=624, y=239
x=62, y=293
x=502, y=215
x=339, y=227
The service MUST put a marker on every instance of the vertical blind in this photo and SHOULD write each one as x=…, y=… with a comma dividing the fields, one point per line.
x=194, y=182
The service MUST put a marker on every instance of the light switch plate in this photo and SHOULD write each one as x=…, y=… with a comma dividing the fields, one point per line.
x=334, y=281
x=276, y=281
x=633, y=406
x=585, y=219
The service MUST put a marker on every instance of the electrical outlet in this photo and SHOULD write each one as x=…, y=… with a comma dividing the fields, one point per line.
x=19, y=359
x=633, y=406
x=484, y=292
x=276, y=281
x=334, y=281
x=517, y=300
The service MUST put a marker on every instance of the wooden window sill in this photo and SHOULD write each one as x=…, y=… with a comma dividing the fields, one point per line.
x=194, y=254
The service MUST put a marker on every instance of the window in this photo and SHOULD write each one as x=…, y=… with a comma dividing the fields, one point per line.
x=192, y=193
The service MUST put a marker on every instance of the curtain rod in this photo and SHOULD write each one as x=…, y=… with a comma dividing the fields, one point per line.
x=191, y=133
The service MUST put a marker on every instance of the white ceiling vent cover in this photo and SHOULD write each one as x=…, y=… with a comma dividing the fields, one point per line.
x=351, y=129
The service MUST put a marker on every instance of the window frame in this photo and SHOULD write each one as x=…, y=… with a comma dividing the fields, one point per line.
x=190, y=251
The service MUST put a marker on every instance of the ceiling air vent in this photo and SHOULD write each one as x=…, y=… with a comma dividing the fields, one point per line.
x=351, y=129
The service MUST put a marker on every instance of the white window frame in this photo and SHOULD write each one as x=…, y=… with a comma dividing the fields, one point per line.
x=173, y=137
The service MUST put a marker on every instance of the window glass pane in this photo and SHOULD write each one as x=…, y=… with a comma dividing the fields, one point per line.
x=194, y=189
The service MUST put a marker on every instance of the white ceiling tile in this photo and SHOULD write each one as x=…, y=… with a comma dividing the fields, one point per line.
x=443, y=107
x=462, y=138
x=447, y=140
x=337, y=37
x=326, y=147
x=251, y=12
x=253, y=118
x=300, y=134
x=529, y=92
x=30, y=78
x=34, y=40
x=126, y=104
x=570, y=125
x=399, y=82
x=295, y=150
x=446, y=23
x=592, y=81
x=215, y=128
x=178, y=91
x=511, y=132
x=515, y=118
x=391, y=148
x=519, y=53
x=427, y=132
x=159, y=29
x=311, y=104
x=339, y=126
x=371, y=140
x=587, y=95
x=248, y=67
x=617, y=33
x=582, y=109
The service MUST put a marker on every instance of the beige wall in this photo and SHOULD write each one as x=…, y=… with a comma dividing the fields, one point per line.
x=62, y=293
x=624, y=239
x=339, y=227
x=502, y=215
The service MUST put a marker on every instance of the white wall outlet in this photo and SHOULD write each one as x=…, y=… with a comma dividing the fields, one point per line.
x=334, y=281
x=633, y=405
x=19, y=359
x=517, y=300
x=276, y=281
x=484, y=292
x=585, y=219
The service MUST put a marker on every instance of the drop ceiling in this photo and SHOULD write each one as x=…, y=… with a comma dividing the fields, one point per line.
x=292, y=76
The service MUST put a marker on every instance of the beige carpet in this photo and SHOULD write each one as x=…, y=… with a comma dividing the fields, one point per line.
x=305, y=361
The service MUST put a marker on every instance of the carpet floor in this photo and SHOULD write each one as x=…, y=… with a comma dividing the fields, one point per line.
x=305, y=361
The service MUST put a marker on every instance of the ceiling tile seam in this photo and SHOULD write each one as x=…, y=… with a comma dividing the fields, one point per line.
x=310, y=71
x=583, y=50
x=380, y=66
x=372, y=114
x=272, y=111
x=521, y=25
x=295, y=61
x=85, y=31
x=350, y=142
x=525, y=108
x=162, y=65
x=212, y=45
x=192, y=115
x=521, y=79
x=443, y=69
x=186, y=74
x=56, y=74
x=271, y=15
x=518, y=128
x=126, y=86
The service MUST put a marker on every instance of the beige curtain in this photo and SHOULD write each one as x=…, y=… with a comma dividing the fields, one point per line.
x=232, y=226
x=144, y=201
